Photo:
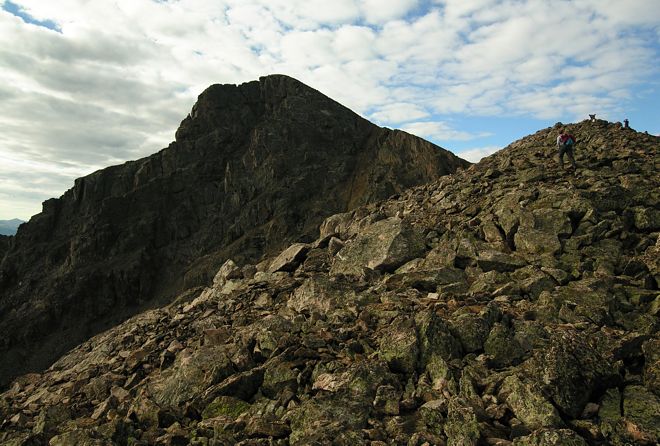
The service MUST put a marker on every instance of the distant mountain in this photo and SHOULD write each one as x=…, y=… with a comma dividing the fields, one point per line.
x=254, y=167
x=9, y=227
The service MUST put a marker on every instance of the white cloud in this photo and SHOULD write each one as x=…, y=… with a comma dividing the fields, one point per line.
x=399, y=112
x=440, y=131
x=116, y=81
x=475, y=155
x=382, y=11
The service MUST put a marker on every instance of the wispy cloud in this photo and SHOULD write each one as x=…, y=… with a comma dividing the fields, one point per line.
x=440, y=131
x=476, y=154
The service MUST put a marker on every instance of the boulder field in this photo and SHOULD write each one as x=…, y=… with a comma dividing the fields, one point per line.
x=510, y=303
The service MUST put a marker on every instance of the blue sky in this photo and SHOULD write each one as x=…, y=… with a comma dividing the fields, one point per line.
x=84, y=85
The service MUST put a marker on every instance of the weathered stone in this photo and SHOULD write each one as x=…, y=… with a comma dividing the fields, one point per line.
x=534, y=242
x=290, y=258
x=528, y=404
x=321, y=293
x=641, y=410
x=461, y=427
x=651, y=351
x=552, y=221
x=502, y=346
x=498, y=261
x=50, y=418
x=399, y=346
x=241, y=385
x=324, y=418
x=267, y=427
x=385, y=245
x=387, y=400
x=228, y=271
x=551, y=437
x=646, y=219
x=277, y=377
x=569, y=370
x=225, y=406
x=190, y=374
x=471, y=330
x=438, y=347
x=78, y=437
x=578, y=302
x=432, y=413
x=425, y=280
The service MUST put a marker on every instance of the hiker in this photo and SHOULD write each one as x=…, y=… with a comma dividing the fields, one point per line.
x=625, y=123
x=565, y=143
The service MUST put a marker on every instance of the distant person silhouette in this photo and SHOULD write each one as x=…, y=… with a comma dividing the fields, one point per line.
x=565, y=143
x=625, y=123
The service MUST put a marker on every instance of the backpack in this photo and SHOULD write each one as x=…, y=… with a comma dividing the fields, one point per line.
x=567, y=139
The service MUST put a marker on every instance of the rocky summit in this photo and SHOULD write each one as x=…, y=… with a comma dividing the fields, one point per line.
x=511, y=303
x=254, y=167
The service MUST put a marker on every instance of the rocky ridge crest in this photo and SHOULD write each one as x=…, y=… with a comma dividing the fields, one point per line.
x=254, y=167
x=512, y=303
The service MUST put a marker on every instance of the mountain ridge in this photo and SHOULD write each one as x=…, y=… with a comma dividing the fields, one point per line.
x=253, y=167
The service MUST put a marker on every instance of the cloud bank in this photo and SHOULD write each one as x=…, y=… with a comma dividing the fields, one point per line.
x=88, y=84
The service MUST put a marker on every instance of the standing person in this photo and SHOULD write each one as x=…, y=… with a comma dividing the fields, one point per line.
x=565, y=143
x=625, y=123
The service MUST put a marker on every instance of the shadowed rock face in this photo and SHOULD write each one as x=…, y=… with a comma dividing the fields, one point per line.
x=253, y=168
x=435, y=317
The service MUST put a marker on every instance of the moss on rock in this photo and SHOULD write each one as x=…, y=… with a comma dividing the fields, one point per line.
x=225, y=406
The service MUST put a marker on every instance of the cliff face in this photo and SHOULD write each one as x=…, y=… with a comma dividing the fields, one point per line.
x=512, y=303
x=253, y=167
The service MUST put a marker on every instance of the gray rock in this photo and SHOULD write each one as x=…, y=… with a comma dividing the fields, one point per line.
x=385, y=245
x=528, y=404
x=290, y=258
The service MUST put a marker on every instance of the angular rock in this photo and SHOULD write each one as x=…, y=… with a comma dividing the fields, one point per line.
x=225, y=406
x=551, y=437
x=399, y=346
x=534, y=242
x=498, y=261
x=570, y=370
x=461, y=427
x=321, y=293
x=502, y=346
x=528, y=404
x=289, y=259
x=190, y=374
x=425, y=280
x=385, y=245
x=641, y=410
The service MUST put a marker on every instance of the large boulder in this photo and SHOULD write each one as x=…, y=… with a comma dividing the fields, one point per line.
x=383, y=246
x=571, y=370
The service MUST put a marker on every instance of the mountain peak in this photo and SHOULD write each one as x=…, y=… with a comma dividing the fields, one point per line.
x=228, y=107
x=254, y=167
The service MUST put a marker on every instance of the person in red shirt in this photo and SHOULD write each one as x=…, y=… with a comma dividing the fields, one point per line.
x=565, y=143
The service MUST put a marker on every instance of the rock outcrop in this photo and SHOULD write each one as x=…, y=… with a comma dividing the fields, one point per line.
x=512, y=303
x=253, y=168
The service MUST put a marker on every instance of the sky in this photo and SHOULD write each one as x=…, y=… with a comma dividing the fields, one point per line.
x=88, y=84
